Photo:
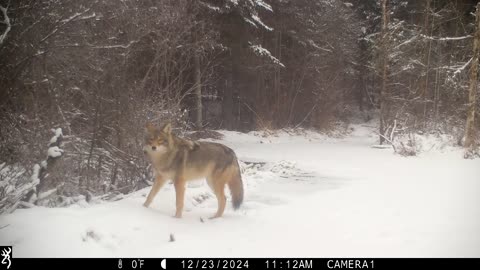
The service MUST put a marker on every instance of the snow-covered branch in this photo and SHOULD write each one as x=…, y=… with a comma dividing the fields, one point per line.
x=116, y=46
x=408, y=41
x=445, y=38
x=260, y=22
x=39, y=171
x=260, y=51
x=6, y=21
x=316, y=46
x=457, y=69
x=47, y=193
x=264, y=5
x=248, y=9
x=54, y=152
x=463, y=67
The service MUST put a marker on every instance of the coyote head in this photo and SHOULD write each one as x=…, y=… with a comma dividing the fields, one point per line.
x=158, y=140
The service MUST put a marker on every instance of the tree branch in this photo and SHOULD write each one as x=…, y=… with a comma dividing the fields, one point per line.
x=64, y=22
x=6, y=21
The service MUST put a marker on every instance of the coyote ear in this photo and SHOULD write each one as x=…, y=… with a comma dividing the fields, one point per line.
x=167, y=128
x=149, y=127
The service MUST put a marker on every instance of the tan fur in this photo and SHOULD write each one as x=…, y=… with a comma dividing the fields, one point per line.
x=183, y=160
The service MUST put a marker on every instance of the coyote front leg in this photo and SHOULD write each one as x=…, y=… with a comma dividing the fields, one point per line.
x=157, y=185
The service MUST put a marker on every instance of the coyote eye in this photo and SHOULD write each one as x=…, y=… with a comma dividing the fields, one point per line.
x=149, y=141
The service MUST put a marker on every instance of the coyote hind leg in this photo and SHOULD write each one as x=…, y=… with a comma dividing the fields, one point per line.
x=180, y=196
x=217, y=184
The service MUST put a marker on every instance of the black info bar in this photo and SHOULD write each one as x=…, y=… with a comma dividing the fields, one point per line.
x=242, y=263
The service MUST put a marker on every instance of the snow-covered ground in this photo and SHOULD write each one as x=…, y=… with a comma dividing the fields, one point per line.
x=305, y=196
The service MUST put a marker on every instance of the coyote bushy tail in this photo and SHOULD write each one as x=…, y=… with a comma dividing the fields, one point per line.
x=236, y=188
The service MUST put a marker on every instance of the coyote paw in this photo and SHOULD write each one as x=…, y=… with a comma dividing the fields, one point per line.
x=177, y=215
x=145, y=205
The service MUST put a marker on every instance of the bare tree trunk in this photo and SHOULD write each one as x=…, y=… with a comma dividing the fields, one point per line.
x=197, y=31
x=424, y=90
x=383, y=90
x=233, y=81
x=436, y=98
x=470, y=127
x=198, y=90
x=227, y=101
x=276, y=84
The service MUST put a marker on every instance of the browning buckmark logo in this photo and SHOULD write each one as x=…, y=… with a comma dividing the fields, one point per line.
x=6, y=256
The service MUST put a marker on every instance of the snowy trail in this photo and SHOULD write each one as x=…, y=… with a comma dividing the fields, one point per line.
x=314, y=197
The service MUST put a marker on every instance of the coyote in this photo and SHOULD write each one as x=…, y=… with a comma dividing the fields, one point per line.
x=182, y=160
